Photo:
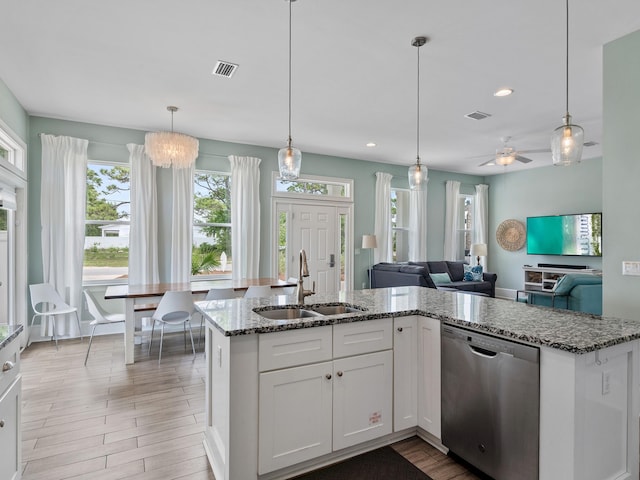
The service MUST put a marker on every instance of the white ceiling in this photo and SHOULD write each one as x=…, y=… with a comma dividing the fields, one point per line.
x=121, y=62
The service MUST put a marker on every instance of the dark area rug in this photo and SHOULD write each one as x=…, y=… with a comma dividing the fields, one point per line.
x=381, y=464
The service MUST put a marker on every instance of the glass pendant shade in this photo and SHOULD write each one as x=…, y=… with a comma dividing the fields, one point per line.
x=566, y=143
x=166, y=149
x=289, y=162
x=418, y=176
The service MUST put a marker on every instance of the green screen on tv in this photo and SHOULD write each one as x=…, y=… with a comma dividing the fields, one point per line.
x=577, y=234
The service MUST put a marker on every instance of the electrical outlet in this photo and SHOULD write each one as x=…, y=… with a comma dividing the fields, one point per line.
x=606, y=383
x=630, y=268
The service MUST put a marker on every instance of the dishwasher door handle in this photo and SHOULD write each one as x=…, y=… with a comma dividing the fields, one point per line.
x=481, y=352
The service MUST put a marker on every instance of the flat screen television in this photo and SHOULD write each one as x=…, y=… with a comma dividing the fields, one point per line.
x=575, y=234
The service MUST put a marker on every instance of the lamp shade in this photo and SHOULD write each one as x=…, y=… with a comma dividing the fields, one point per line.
x=566, y=143
x=478, y=250
x=369, y=241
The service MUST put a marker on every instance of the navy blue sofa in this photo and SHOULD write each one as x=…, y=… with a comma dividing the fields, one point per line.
x=417, y=273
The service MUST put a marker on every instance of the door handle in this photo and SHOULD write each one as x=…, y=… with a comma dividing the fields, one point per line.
x=332, y=260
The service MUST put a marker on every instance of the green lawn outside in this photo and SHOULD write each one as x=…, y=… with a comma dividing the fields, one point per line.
x=106, y=257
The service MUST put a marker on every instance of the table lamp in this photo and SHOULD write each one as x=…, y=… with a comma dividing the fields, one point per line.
x=369, y=242
x=478, y=250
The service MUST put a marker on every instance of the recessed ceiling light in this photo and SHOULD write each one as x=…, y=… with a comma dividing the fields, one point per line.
x=503, y=92
x=371, y=144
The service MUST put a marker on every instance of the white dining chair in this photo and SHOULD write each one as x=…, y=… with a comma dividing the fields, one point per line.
x=174, y=308
x=217, y=294
x=255, y=291
x=47, y=302
x=100, y=317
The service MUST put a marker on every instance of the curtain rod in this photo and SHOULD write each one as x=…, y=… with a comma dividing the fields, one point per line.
x=205, y=154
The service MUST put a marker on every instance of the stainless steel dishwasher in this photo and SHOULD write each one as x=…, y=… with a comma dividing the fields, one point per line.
x=491, y=403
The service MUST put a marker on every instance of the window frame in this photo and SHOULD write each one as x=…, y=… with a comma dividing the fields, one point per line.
x=395, y=229
x=113, y=281
x=194, y=224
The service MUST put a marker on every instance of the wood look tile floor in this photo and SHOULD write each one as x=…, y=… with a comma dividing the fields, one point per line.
x=142, y=421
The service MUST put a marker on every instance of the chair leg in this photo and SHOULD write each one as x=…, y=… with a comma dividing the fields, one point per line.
x=200, y=334
x=33, y=319
x=191, y=335
x=184, y=334
x=161, y=339
x=93, y=330
x=53, y=327
x=153, y=325
x=79, y=326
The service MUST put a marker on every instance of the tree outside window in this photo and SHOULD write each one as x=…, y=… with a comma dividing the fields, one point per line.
x=211, y=252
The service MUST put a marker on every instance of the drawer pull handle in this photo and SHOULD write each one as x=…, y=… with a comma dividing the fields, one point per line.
x=2, y=423
x=400, y=329
x=7, y=366
x=339, y=373
x=328, y=376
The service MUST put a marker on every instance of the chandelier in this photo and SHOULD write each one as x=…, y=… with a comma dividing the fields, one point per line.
x=171, y=149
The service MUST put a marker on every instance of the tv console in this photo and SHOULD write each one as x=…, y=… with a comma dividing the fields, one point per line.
x=559, y=265
x=544, y=279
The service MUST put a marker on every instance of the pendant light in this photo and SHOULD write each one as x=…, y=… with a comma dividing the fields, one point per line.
x=289, y=158
x=418, y=173
x=166, y=149
x=567, y=140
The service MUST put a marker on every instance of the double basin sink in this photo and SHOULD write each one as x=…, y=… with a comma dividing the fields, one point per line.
x=293, y=312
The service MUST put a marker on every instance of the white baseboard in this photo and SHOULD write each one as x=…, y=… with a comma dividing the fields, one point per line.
x=506, y=293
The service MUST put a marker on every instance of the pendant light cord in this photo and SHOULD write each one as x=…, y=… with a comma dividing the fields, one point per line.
x=567, y=62
x=418, y=112
x=289, y=140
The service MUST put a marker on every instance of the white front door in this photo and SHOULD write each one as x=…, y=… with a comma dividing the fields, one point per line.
x=314, y=228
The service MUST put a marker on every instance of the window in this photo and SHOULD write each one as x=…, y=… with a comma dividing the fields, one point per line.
x=211, y=252
x=400, y=225
x=106, y=243
x=466, y=225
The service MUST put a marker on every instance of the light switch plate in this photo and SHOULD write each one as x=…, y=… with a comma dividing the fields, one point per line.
x=630, y=268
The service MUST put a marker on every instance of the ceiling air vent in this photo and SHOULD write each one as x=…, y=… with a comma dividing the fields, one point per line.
x=477, y=115
x=224, y=69
x=590, y=143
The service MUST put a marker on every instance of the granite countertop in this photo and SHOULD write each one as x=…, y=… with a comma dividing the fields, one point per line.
x=559, y=329
x=8, y=333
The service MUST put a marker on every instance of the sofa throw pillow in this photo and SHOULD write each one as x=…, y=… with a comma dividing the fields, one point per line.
x=440, y=278
x=472, y=273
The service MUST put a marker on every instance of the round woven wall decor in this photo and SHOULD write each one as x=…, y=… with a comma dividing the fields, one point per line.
x=510, y=235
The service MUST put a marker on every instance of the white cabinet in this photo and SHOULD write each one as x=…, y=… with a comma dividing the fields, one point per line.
x=429, y=375
x=295, y=415
x=10, y=407
x=362, y=398
x=405, y=372
x=310, y=410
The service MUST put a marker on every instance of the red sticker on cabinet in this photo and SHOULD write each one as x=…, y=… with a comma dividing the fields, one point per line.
x=374, y=418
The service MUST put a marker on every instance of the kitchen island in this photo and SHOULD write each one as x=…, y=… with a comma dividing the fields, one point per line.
x=286, y=396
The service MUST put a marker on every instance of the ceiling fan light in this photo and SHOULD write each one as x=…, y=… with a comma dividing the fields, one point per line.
x=566, y=143
x=418, y=176
x=505, y=159
x=289, y=162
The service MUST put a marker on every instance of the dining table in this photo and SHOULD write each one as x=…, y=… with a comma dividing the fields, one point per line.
x=140, y=298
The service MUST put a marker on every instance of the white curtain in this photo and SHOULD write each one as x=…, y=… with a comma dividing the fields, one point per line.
x=245, y=216
x=418, y=225
x=481, y=217
x=182, y=224
x=382, y=225
x=143, y=232
x=451, y=220
x=62, y=216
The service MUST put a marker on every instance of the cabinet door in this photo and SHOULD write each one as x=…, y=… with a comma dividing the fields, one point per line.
x=10, y=467
x=405, y=373
x=295, y=415
x=429, y=375
x=362, y=393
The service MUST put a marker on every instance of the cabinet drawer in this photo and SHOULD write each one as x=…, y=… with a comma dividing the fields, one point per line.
x=294, y=347
x=362, y=337
x=9, y=354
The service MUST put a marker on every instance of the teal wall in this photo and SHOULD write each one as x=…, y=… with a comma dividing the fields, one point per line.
x=12, y=113
x=541, y=191
x=109, y=143
x=621, y=174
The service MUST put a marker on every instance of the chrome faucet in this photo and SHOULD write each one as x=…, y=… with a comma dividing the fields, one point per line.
x=304, y=272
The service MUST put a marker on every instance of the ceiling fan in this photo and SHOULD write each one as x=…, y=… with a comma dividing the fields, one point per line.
x=507, y=154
